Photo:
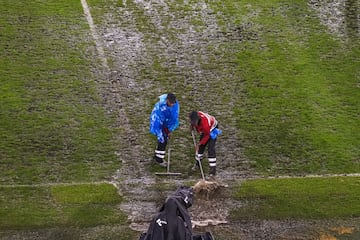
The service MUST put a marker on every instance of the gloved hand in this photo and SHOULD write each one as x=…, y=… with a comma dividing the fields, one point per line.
x=167, y=132
x=197, y=157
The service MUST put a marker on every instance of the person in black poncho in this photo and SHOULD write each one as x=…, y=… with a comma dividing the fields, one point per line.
x=173, y=221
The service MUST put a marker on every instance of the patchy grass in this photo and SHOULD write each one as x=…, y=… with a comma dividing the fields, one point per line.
x=53, y=127
x=299, y=198
x=28, y=207
x=297, y=111
x=281, y=85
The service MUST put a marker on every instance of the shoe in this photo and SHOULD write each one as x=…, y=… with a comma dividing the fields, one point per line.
x=211, y=178
x=195, y=167
x=212, y=171
x=163, y=163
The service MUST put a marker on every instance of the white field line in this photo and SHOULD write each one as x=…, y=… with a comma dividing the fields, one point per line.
x=56, y=184
x=116, y=186
x=313, y=176
x=98, y=42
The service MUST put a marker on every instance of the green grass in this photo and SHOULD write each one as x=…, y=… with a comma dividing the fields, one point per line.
x=27, y=207
x=299, y=99
x=299, y=198
x=293, y=87
x=53, y=127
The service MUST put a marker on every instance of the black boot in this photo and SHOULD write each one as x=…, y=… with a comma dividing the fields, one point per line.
x=160, y=161
x=212, y=171
x=196, y=166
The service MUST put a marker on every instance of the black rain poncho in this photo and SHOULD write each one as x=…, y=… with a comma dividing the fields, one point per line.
x=173, y=221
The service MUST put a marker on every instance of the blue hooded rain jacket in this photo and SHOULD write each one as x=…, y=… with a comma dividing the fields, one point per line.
x=163, y=116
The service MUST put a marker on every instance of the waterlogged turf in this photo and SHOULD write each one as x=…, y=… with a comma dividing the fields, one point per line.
x=281, y=81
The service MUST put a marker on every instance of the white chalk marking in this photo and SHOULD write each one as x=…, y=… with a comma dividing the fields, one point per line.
x=98, y=42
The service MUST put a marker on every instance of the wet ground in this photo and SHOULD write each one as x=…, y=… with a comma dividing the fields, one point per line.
x=170, y=40
x=138, y=42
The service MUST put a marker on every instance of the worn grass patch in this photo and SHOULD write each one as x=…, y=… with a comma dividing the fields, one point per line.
x=283, y=89
x=56, y=206
x=299, y=198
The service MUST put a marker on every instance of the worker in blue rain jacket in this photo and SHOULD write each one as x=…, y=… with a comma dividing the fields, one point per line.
x=164, y=119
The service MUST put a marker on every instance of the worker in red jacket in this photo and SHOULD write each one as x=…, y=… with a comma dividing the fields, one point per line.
x=207, y=126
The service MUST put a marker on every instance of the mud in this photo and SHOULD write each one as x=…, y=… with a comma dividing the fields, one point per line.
x=342, y=17
x=138, y=42
x=132, y=52
x=142, y=36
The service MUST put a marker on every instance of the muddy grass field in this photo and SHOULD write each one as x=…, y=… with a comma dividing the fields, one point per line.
x=143, y=49
x=155, y=47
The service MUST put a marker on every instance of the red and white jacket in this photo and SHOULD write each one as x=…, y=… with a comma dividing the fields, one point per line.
x=206, y=124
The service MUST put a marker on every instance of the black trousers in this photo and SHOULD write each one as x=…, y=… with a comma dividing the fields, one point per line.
x=211, y=147
x=211, y=153
x=160, y=152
